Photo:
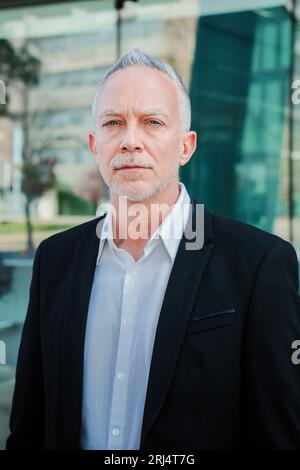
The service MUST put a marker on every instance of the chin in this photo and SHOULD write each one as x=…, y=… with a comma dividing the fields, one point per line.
x=136, y=192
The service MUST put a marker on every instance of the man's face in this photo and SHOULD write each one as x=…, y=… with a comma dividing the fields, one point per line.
x=137, y=142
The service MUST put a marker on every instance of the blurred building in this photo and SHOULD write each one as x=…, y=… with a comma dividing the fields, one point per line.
x=235, y=58
x=239, y=59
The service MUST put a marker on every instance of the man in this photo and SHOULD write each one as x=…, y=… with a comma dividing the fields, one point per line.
x=132, y=339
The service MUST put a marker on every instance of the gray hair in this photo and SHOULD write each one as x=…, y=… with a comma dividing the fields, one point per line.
x=136, y=57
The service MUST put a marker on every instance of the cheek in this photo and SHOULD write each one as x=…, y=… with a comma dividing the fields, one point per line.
x=104, y=143
x=105, y=153
x=171, y=156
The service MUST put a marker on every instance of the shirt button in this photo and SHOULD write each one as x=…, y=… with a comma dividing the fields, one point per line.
x=131, y=273
x=121, y=375
x=115, y=432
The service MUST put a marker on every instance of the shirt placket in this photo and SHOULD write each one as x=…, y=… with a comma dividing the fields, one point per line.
x=116, y=438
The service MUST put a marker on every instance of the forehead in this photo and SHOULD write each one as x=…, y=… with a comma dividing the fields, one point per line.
x=139, y=87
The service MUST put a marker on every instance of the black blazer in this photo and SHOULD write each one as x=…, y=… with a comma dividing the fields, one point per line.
x=221, y=375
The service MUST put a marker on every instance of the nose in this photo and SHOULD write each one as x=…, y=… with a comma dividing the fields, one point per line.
x=131, y=140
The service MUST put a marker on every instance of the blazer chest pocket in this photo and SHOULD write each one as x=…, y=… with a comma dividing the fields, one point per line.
x=210, y=321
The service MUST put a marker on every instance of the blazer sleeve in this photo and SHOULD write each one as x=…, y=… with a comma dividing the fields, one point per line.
x=27, y=414
x=270, y=400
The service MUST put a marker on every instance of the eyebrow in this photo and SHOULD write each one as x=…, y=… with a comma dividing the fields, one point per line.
x=152, y=112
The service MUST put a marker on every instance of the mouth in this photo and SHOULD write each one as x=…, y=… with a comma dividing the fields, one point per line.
x=133, y=168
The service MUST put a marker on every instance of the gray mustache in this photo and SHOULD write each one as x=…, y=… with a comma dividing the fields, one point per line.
x=119, y=162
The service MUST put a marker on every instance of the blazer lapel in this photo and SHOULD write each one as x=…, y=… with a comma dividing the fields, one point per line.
x=181, y=291
x=75, y=316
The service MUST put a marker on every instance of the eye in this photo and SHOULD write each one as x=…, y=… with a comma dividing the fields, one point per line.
x=108, y=123
x=154, y=120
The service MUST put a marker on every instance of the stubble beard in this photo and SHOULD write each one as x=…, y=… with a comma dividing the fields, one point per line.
x=132, y=189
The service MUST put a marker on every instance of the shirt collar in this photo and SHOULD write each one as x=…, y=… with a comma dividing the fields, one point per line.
x=169, y=232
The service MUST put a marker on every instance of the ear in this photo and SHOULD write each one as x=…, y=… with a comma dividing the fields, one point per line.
x=92, y=145
x=189, y=143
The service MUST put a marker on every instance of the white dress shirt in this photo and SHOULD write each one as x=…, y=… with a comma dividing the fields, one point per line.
x=124, y=308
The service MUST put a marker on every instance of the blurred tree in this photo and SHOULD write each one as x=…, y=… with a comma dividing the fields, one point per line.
x=90, y=187
x=37, y=176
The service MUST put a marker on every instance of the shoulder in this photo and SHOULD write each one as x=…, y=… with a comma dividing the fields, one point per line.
x=242, y=238
x=69, y=237
x=246, y=251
